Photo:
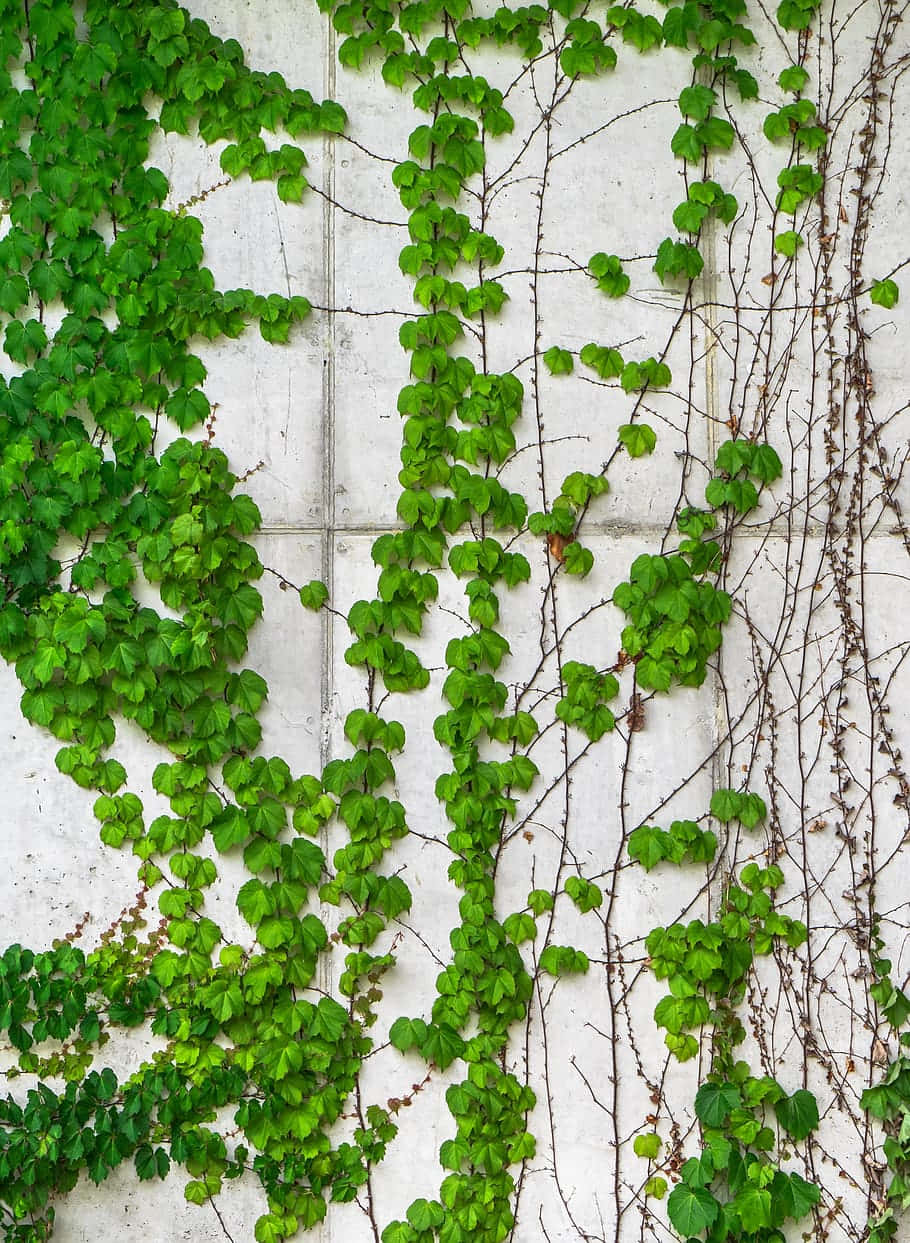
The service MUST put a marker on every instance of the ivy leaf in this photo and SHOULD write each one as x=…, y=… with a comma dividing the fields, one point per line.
x=196, y=1192
x=407, y=1033
x=442, y=1044
x=607, y=270
x=151, y=1163
x=795, y=14
x=255, y=901
x=520, y=927
x=647, y=1145
x=399, y=1232
x=680, y=22
x=638, y=438
x=314, y=595
x=585, y=894
x=793, y=79
x=558, y=362
x=713, y=1102
x=426, y=1214
x=788, y=243
x=715, y=134
x=687, y=144
x=688, y=217
x=885, y=293
x=798, y=1114
x=776, y=126
x=608, y=363
x=697, y=101
x=332, y=117
x=577, y=559
x=247, y=690
x=692, y=1209
x=745, y=84
x=766, y=465
x=540, y=900
x=646, y=846
x=563, y=960
x=752, y=810
x=291, y=188
x=188, y=408
x=329, y=1020
x=230, y=829
x=269, y=1228
x=734, y=456
x=753, y=1206
x=725, y=805
x=677, y=259
x=795, y=1196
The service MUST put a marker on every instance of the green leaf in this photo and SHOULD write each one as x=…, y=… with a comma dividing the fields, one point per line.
x=688, y=217
x=753, y=1206
x=716, y=134
x=795, y=1196
x=329, y=1020
x=638, y=438
x=585, y=894
x=752, y=810
x=674, y=259
x=795, y=14
x=520, y=927
x=407, y=1033
x=777, y=126
x=563, y=960
x=647, y=1145
x=332, y=117
x=426, y=1214
x=255, y=901
x=885, y=293
x=577, y=559
x=713, y=1102
x=793, y=79
x=798, y=1114
x=442, y=1044
x=692, y=1209
x=788, y=243
x=646, y=845
x=686, y=144
x=151, y=1163
x=697, y=101
x=608, y=363
x=269, y=1228
x=607, y=270
x=558, y=362
x=314, y=595
x=291, y=188
x=540, y=900
x=399, y=1232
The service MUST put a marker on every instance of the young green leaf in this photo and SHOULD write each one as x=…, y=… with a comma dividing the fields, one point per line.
x=647, y=1145
x=638, y=438
x=314, y=595
x=558, y=361
x=697, y=101
x=793, y=79
x=885, y=293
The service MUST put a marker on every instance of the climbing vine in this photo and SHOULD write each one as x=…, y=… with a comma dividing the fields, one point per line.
x=283, y=984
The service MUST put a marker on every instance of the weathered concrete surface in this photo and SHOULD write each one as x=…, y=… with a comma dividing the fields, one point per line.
x=316, y=423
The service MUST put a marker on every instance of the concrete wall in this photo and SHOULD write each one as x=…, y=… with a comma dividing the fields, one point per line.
x=807, y=703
